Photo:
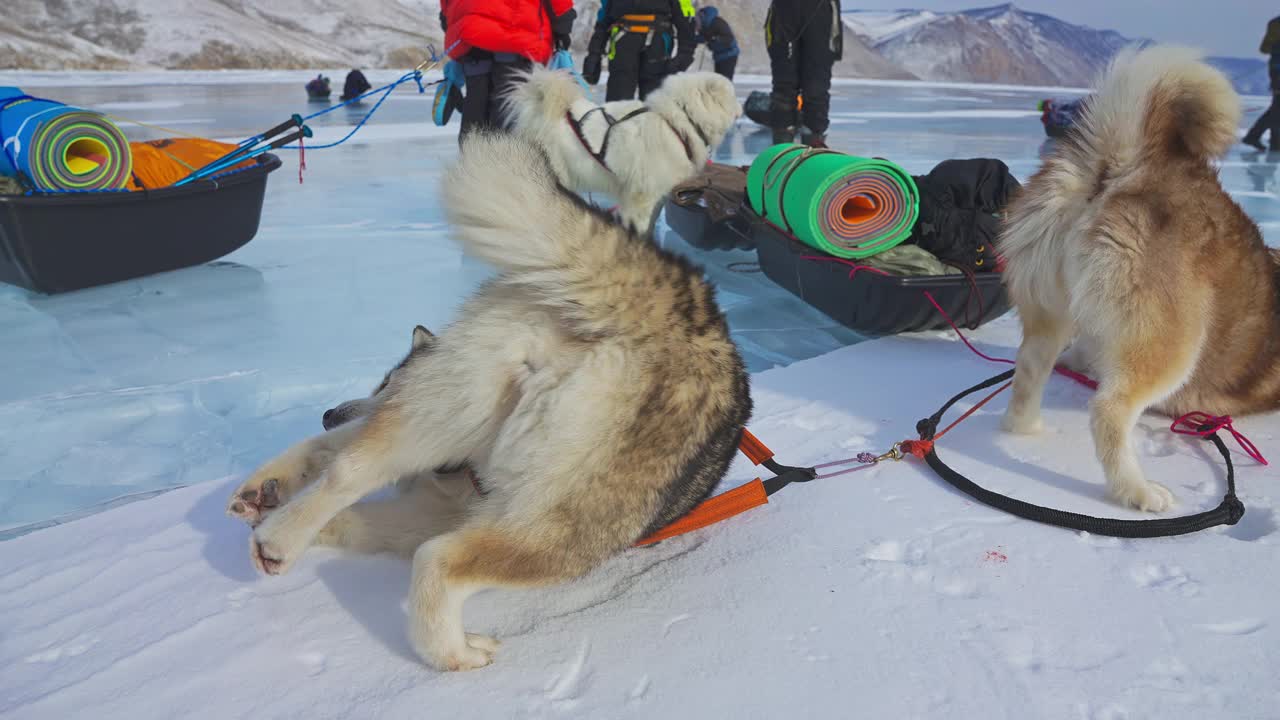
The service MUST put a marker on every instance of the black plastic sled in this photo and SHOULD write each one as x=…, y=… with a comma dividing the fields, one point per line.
x=873, y=304
x=693, y=223
x=57, y=243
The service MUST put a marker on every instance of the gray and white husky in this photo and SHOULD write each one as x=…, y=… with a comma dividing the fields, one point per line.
x=592, y=387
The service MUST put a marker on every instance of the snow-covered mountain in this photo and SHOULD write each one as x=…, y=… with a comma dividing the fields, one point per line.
x=214, y=34
x=1002, y=44
x=1006, y=44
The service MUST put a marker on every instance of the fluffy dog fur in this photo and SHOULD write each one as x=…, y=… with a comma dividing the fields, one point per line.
x=1126, y=242
x=592, y=385
x=646, y=155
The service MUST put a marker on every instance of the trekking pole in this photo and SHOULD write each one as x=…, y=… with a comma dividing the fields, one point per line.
x=242, y=149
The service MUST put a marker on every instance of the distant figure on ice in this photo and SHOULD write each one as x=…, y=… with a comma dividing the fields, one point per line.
x=355, y=85
x=318, y=88
x=496, y=41
x=639, y=37
x=1270, y=120
x=714, y=30
x=805, y=39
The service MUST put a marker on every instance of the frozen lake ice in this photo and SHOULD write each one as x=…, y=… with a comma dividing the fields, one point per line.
x=190, y=376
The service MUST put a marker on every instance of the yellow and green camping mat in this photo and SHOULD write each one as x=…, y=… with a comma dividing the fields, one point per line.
x=55, y=147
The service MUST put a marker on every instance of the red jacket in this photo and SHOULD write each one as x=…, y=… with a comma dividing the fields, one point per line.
x=506, y=26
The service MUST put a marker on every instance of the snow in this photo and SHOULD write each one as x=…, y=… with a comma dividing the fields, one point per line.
x=879, y=25
x=878, y=594
x=883, y=591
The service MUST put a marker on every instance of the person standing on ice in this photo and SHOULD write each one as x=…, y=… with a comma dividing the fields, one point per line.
x=805, y=38
x=639, y=36
x=1270, y=120
x=714, y=30
x=496, y=40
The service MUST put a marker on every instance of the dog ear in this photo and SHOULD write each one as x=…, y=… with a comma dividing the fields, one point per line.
x=421, y=336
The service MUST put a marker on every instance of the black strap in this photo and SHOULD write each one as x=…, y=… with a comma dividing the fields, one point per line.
x=805, y=154
x=784, y=475
x=576, y=125
x=1228, y=512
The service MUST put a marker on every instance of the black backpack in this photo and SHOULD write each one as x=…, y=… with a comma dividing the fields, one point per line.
x=961, y=207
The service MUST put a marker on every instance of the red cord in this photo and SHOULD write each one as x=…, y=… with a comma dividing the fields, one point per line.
x=302, y=158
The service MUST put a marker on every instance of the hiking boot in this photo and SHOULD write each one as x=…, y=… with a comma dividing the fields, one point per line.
x=816, y=141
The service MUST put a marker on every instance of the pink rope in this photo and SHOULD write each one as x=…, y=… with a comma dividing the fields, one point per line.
x=855, y=267
x=1203, y=424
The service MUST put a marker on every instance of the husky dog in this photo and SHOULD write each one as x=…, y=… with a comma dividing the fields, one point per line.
x=1126, y=242
x=592, y=386
x=634, y=151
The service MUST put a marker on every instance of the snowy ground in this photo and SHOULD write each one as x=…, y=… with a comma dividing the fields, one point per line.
x=881, y=594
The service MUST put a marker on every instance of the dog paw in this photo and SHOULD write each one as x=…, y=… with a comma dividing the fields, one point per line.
x=1021, y=424
x=272, y=553
x=252, y=501
x=1145, y=496
x=475, y=653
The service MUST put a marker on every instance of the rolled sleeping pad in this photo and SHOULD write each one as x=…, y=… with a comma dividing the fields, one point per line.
x=57, y=147
x=847, y=206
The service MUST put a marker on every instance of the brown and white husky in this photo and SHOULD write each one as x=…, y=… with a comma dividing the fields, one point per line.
x=1125, y=245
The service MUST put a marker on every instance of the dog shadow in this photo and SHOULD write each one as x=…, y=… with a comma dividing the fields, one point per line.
x=982, y=444
x=226, y=544
x=373, y=589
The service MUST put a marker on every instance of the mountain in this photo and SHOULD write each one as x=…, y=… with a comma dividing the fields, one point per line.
x=1001, y=44
x=214, y=34
x=1006, y=44
x=1248, y=75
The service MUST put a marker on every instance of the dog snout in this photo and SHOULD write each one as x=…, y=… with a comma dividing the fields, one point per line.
x=327, y=420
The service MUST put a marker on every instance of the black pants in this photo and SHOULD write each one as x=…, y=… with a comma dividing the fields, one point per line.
x=801, y=64
x=488, y=79
x=635, y=64
x=1268, y=121
x=727, y=66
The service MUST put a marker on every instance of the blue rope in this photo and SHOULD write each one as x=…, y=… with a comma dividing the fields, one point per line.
x=386, y=91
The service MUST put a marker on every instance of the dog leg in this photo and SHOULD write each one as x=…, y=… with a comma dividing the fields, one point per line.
x=1134, y=378
x=447, y=410
x=1044, y=335
x=362, y=467
x=450, y=568
x=639, y=211
x=402, y=524
x=271, y=485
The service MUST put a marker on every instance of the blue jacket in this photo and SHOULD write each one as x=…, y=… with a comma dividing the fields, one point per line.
x=716, y=33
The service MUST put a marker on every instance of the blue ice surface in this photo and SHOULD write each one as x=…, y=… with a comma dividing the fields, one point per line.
x=124, y=390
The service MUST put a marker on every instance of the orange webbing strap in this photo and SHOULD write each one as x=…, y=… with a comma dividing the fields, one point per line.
x=755, y=450
x=709, y=512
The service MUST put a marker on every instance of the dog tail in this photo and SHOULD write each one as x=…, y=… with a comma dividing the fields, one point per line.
x=507, y=208
x=539, y=100
x=1163, y=100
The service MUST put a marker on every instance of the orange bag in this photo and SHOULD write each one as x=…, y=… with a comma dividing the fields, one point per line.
x=161, y=163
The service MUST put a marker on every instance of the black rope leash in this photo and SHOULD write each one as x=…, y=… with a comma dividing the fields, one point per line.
x=1228, y=512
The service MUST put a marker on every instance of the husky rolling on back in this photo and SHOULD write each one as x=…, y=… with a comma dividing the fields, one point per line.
x=1126, y=242
x=634, y=151
x=592, y=386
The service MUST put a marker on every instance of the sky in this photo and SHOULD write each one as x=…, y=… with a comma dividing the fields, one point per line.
x=1220, y=27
